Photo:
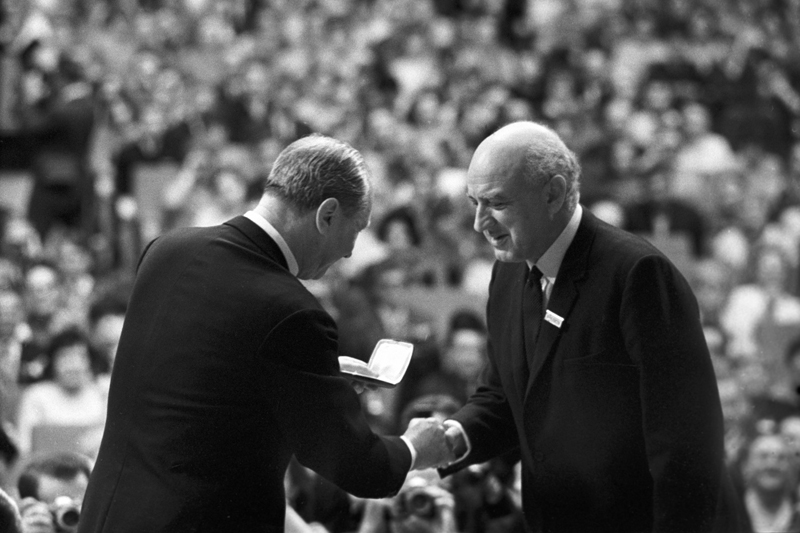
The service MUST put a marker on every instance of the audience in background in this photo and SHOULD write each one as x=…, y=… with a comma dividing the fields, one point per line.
x=69, y=396
x=131, y=118
x=51, y=488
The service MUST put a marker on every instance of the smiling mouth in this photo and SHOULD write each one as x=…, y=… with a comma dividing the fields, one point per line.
x=496, y=240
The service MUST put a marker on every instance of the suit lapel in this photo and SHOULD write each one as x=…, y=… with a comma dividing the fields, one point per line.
x=565, y=293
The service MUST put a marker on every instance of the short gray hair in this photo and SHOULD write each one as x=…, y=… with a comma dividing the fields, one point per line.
x=546, y=156
x=317, y=167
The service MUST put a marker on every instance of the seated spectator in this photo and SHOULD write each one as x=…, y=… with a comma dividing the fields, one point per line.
x=711, y=283
x=662, y=214
x=381, y=284
x=400, y=230
x=703, y=161
x=770, y=486
x=51, y=489
x=45, y=313
x=764, y=299
x=20, y=242
x=70, y=397
x=196, y=200
x=737, y=416
x=106, y=318
x=462, y=360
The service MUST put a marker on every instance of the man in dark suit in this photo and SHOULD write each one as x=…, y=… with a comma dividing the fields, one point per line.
x=227, y=366
x=599, y=375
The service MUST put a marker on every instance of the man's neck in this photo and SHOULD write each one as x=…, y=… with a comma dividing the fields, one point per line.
x=292, y=226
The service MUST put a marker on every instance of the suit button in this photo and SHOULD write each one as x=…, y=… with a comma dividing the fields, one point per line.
x=538, y=456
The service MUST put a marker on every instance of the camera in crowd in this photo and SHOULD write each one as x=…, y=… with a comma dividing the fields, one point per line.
x=62, y=515
x=66, y=514
x=418, y=501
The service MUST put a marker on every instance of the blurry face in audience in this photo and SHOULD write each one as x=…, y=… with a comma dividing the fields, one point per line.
x=73, y=259
x=790, y=431
x=769, y=464
x=771, y=270
x=71, y=367
x=696, y=120
x=753, y=379
x=398, y=236
x=42, y=290
x=467, y=353
x=735, y=406
x=711, y=287
x=231, y=188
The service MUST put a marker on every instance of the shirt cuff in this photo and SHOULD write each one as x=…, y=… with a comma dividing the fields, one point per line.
x=412, y=450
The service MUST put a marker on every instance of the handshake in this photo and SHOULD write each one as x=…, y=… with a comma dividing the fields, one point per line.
x=437, y=443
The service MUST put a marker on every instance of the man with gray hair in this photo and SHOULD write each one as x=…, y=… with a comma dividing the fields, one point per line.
x=598, y=375
x=227, y=366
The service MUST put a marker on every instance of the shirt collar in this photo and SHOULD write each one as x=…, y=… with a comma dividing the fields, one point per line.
x=551, y=260
x=264, y=224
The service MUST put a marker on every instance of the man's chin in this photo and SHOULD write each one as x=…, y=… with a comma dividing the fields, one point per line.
x=507, y=256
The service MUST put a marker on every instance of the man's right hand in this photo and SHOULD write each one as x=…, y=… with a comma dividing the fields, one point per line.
x=427, y=435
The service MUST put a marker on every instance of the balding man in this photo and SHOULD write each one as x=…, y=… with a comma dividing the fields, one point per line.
x=227, y=367
x=599, y=373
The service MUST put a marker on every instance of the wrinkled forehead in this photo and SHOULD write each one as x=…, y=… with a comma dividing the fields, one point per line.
x=495, y=181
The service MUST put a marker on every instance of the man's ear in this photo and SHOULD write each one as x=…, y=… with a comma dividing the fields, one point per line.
x=327, y=211
x=556, y=191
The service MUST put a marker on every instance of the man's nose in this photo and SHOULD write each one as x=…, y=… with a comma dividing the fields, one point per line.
x=482, y=219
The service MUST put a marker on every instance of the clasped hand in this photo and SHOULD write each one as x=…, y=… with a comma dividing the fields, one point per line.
x=437, y=443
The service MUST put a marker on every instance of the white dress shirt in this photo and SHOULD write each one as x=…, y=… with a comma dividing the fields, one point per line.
x=264, y=224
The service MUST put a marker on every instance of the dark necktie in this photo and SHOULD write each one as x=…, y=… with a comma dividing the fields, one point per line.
x=532, y=313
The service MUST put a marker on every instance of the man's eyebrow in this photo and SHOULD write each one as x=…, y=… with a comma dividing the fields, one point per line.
x=489, y=196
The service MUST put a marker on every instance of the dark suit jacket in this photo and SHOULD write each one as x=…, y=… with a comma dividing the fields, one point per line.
x=619, y=422
x=226, y=367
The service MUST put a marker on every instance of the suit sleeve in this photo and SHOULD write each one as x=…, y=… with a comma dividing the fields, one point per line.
x=320, y=415
x=680, y=405
x=487, y=418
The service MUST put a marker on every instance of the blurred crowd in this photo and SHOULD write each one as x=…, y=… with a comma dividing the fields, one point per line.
x=132, y=117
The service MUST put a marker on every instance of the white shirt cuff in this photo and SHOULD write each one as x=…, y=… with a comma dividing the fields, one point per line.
x=412, y=450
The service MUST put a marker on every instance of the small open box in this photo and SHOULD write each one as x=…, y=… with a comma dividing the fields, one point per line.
x=387, y=364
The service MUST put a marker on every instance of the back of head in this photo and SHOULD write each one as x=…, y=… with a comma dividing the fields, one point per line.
x=317, y=167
